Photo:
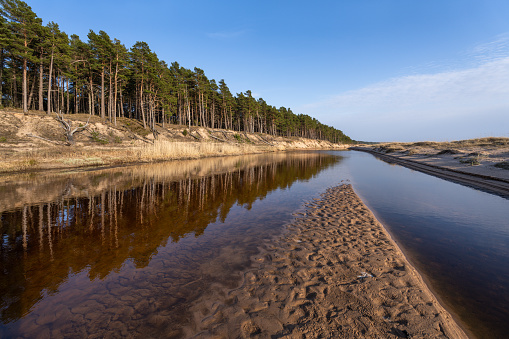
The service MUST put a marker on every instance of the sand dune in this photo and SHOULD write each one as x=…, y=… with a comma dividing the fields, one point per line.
x=335, y=273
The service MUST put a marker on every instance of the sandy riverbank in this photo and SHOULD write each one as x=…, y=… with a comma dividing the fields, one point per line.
x=483, y=157
x=483, y=176
x=335, y=273
x=35, y=142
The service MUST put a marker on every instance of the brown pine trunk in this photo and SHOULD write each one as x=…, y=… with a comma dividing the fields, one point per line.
x=142, y=109
x=103, y=110
x=76, y=97
x=49, y=82
x=31, y=93
x=1, y=75
x=115, y=98
x=91, y=93
x=41, y=100
x=67, y=97
x=212, y=113
x=121, y=103
x=110, y=96
x=25, y=94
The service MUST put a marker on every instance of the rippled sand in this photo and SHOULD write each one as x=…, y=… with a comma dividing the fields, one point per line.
x=335, y=273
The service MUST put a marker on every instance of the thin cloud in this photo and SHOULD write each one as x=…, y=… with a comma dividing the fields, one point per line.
x=413, y=107
x=493, y=50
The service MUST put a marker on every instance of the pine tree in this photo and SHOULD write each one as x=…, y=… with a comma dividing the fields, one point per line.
x=104, y=76
x=24, y=27
x=56, y=42
x=5, y=38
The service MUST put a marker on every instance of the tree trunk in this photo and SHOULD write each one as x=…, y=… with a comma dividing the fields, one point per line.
x=115, y=98
x=57, y=83
x=103, y=111
x=91, y=102
x=212, y=113
x=1, y=76
x=49, y=82
x=67, y=96
x=121, y=103
x=142, y=109
x=110, y=96
x=31, y=93
x=41, y=100
x=25, y=109
x=14, y=91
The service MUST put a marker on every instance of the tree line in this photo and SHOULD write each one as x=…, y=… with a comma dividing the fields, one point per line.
x=42, y=68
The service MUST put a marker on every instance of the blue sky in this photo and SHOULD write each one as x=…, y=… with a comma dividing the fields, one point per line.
x=379, y=70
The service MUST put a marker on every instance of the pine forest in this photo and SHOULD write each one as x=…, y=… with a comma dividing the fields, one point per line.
x=42, y=68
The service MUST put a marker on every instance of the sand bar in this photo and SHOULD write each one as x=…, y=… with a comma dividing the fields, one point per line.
x=335, y=273
x=486, y=178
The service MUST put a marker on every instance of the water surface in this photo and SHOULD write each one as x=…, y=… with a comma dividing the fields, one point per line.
x=457, y=236
x=125, y=251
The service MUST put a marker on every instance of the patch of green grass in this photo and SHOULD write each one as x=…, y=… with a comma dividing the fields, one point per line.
x=137, y=128
x=117, y=140
x=184, y=132
x=3, y=139
x=238, y=137
x=473, y=161
x=97, y=138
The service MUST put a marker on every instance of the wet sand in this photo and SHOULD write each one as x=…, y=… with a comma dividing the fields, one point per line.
x=335, y=273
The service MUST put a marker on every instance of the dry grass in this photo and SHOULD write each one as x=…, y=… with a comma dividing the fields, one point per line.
x=163, y=150
x=492, y=142
x=70, y=157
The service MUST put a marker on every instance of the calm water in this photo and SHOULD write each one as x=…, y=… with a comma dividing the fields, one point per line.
x=458, y=237
x=125, y=251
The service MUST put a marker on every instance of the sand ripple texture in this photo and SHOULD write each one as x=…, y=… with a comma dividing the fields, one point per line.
x=335, y=273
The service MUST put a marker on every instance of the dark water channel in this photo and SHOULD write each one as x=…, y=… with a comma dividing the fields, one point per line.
x=124, y=252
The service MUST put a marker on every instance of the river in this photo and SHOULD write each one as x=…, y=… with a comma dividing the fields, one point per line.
x=124, y=251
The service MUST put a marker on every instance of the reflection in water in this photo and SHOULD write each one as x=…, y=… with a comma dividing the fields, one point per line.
x=58, y=255
x=458, y=237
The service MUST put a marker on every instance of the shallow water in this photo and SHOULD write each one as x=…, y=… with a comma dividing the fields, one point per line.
x=125, y=251
x=457, y=236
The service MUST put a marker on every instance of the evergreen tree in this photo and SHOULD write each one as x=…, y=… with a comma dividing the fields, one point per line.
x=24, y=27
x=5, y=40
x=103, y=77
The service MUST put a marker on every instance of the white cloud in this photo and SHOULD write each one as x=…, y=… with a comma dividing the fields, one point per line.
x=444, y=106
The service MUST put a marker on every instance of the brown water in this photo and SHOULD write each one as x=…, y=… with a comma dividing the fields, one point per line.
x=125, y=251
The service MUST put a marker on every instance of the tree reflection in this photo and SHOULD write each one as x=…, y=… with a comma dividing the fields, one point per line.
x=126, y=218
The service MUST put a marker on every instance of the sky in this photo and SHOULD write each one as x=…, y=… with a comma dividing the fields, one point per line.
x=379, y=70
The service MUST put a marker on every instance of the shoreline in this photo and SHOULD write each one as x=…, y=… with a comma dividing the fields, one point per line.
x=334, y=272
x=36, y=143
x=493, y=182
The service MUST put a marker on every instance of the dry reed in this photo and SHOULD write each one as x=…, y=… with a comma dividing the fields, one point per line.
x=162, y=150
